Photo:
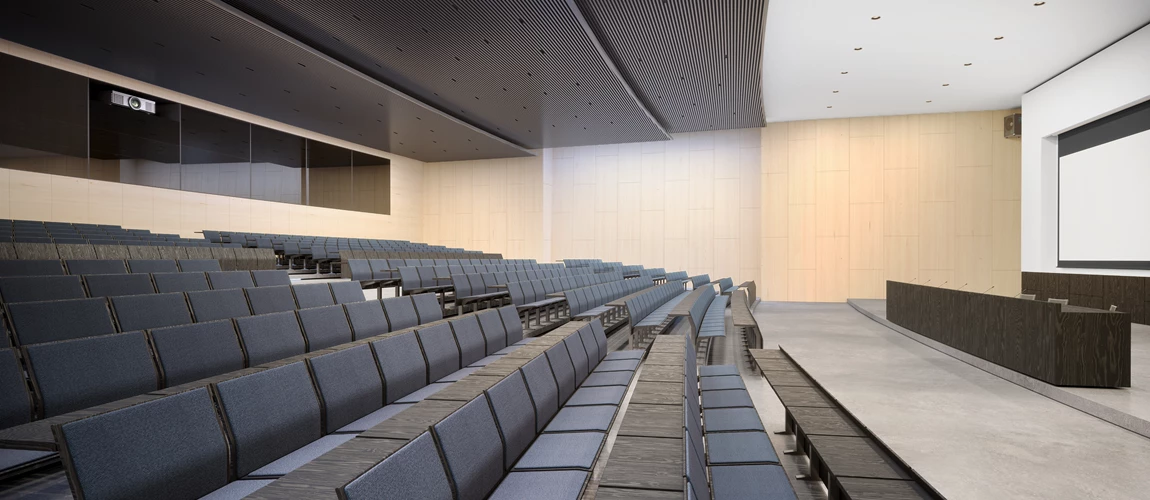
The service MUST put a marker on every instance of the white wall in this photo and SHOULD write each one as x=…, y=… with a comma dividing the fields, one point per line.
x=1110, y=81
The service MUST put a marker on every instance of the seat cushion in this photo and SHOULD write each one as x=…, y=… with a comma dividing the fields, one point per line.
x=740, y=448
x=767, y=482
x=586, y=396
x=541, y=485
x=602, y=379
x=727, y=399
x=622, y=355
x=718, y=370
x=583, y=418
x=17, y=458
x=732, y=419
x=236, y=490
x=722, y=383
x=570, y=450
x=618, y=365
x=374, y=418
x=423, y=393
x=295, y=459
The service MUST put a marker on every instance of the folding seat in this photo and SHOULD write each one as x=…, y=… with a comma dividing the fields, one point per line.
x=404, y=369
x=143, y=266
x=270, y=278
x=440, y=350
x=270, y=299
x=313, y=295
x=211, y=305
x=273, y=418
x=578, y=358
x=78, y=373
x=467, y=269
x=141, y=312
x=346, y=291
x=10, y=268
x=324, y=327
x=413, y=471
x=40, y=288
x=494, y=334
x=367, y=319
x=400, y=312
x=350, y=386
x=379, y=269
x=511, y=324
x=199, y=265
x=427, y=307
x=188, y=353
x=270, y=337
x=180, y=282
x=15, y=402
x=455, y=269
x=472, y=449
x=563, y=369
x=492, y=279
x=469, y=338
x=221, y=280
x=53, y=320
x=95, y=266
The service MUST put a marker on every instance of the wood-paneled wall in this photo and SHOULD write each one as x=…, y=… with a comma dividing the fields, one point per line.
x=850, y=203
x=490, y=205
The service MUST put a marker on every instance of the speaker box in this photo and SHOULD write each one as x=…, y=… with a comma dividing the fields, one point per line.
x=1012, y=126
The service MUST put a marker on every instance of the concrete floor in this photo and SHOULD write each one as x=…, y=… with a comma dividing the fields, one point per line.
x=968, y=433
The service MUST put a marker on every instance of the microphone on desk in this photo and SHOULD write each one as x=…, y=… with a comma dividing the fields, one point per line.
x=989, y=289
x=961, y=287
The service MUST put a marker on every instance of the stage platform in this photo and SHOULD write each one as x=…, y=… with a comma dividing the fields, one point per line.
x=969, y=433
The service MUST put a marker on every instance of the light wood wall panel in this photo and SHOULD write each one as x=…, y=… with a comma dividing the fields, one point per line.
x=848, y=204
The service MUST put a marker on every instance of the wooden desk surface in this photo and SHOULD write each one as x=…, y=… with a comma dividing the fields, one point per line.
x=645, y=463
x=802, y=396
x=885, y=489
x=741, y=314
x=648, y=420
x=412, y=422
x=658, y=393
x=855, y=457
x=825, y=421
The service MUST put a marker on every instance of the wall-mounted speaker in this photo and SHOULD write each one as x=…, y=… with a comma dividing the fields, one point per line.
x=1012, y=126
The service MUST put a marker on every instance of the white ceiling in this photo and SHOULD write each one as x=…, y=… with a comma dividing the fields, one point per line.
x=919, y=45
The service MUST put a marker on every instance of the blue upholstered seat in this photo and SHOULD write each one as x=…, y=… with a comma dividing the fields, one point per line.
x=400, y=312
x=191, y=352
x=269, y=337
x=471, y=446
x=270, y=299
x=366, y=319
x=583, y=418
x=324, y=327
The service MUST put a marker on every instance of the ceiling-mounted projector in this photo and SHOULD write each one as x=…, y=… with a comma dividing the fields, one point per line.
x=132, y=102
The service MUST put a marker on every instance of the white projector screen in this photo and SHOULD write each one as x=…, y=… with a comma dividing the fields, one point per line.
x=1104, y=203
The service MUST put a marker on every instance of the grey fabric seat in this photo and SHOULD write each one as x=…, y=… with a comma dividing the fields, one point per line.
x=767, y=482
x=544, y=391
x=578, y=358
x=400, y=312
x=346, y=292
x=313, y=295
x=583, y=418
x=636, y=354
x=111, y=285
x=180, y=282
x=511, y=324
x=30, y=268
x=413, y=471
x=269, y=337
x=440, y=350
x=15, y=402
x=145, y=266
x=732, y=419
x=586, y=396
x=541, y=485
x=267, y=277
x=40, y=288
x=511, y=402
x=740, y=448
x=349, y=385
x=198, y=265
x=270, y=299
x=96, y=266
x=221, y=280
x=53, y=320
x=564, y=450
x=494, y=335
x=211, y=305
x=727, y=399
x=722, y=383
x=133, y=453
x=718, y=370
x=617, y=365
x=427, y=307
x=75, y=374
x=402, y=364
x=469, y=337
x=141, y=312
x=366, y=318
x=324, y=327
x=563, y=369
x=191, y=352
x=603, y=379
x=472, y=449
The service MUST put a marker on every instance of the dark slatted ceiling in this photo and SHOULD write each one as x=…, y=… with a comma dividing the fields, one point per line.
x=214, y=52
x=697, y=65
x=527, y=70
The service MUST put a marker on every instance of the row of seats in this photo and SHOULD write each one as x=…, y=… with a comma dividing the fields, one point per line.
x=700, y=281
x=230, y=259
x=430, y=277
x=274, y=420
x=677, y=276
x=54, y=320
x=590, y=302
x=366, y=270
x=41, y=288
x=74, y=374
x=104, y=266
x=649, y=312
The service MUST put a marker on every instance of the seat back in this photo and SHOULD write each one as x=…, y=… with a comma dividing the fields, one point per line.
x=494, y=335
x=180, y=282
x=563, y=369
x=600, y=337
x=40, y=288
x=725, y=283
x=366, y=319
x=269, y=414
x=269, y=337
x=313, y=295
x=461, y=285
x=515, y=415
x=578, y=358
x=346, y=291
x=472, y=449
x=270, y=299
x=75, y=374
x=409, y=278
x=221, y=280
x=400, y=312
x=402, y=364
x=267, y=277
x=96, y=266
x=470, y=339
x=511, y=324
x=110, y=285
x=142, y=312
x=590, y=346
x=187, y=353
x=15, y=402
x=324, y=327
x=30, y=268
x=440, y=350
x=53, y=320
x=349, y=385
x=413, y=471
x=145, y=458
x=544, y=391
x=427, y=307
x=211, y=305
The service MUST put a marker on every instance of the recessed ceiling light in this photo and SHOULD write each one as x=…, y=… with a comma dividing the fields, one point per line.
x=834, y=91
x=999, y=37
x=843, y=72
x=1039, y=4
x=829, y=107
x=928, y=102
x=946, y=85
x=858, y=48
x=968, y=64
x=875, y=18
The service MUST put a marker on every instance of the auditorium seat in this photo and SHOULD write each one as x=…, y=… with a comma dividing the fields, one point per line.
x=96, y=266
x=515, y=413
x=270, y=299
x=180, y=282
x=413, y=471
x=75, y=374
x=111, y=285
x=270, y=278
x=427, y=307
x=441, y=351
x=324, y=327
x=472, y=449
x=40, y=288
x=49, y=321
x=191, y=352
x=402, y=364
x=494, y=335
x=346, y=292
x=366, y=318
x=563, y=369
x=400, y=312
x=211, y=305
x=30, y=268
x=544, y=390
x=349, y=384
x=141, y=312
x=313, y=295
x=512, y=324
x=469, y=338
x=269, y=337
x=15, y=402
x=221, y=280
x=139, y=266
